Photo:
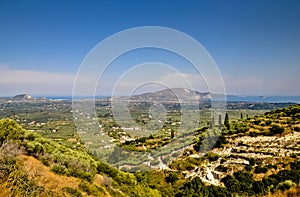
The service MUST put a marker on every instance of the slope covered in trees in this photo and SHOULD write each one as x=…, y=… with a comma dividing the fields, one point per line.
x=31, y=165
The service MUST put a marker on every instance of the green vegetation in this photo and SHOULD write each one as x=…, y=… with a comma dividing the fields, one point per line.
x=13, y=179
x=62, y=160
x=77, y=163
x=195, y=187
x=33, y=160
x=243, y=181
x=226, y=121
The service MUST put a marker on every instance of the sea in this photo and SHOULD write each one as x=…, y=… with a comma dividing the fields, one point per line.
x=230, y=98
x=265, y=99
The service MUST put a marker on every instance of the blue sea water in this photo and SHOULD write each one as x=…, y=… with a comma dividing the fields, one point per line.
x=70, y=97
x=267, y=99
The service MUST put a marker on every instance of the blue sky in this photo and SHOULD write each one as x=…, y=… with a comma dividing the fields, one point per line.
x=256, y=44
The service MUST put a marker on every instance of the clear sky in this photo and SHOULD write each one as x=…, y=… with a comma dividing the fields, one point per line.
x=256, y=44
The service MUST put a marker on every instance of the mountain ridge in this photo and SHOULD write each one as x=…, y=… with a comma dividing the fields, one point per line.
x=175, y=94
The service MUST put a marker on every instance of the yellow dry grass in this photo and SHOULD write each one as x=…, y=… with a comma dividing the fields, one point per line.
x=55, y=183
x=293, y=192
x=4, y=192
x=42, y=175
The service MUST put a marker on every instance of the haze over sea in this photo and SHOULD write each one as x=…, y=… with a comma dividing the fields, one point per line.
x=230, y=98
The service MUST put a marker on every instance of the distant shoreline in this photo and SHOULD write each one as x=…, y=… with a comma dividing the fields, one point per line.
x=229, y=98
x=265, y=99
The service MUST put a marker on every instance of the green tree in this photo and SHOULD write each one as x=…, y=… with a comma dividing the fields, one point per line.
x=259, y=187
x=276, y=129
x=246, y=180
x=226, y=121
x=172, y=134
x=252, y=161
x=212, y=122
x=231, y=184
x=172, y=177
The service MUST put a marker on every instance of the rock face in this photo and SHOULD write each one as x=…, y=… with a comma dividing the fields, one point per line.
x=22, y=97
x=206, y=173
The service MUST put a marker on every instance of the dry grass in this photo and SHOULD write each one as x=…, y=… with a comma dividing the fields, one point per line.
x=55, y=183
x=293, y=192
x=4, y=192
x=42, y=175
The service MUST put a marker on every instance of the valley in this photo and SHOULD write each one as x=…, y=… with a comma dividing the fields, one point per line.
x=256, y=148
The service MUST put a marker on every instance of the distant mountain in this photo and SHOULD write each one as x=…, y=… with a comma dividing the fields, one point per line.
x=173, y=94
x=22, y=97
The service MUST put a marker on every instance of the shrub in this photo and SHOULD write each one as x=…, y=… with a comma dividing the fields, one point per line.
x=287, y=175
x=33, y=148
x=295, y=165
x=248, y=167
x=19, y=184
x=256, y=122
x=297, y=129
x=139, y=190
x=8, y=153
x=251, y=161
x=221, y=140
x=285, y=185
x=231, y=184
x=259, y=187
x=89, y=189
x=126, y=178
x=212, y=156
x=269, y=181
x=45, y=158
x=80, y=174
x=16, y=180
x=106, y=169
x=268, y=122
x=245, y=180
x=59, y=169
x=223, y=160
x=222, y=168
x=260, y=169
x=72, y=191
x=172, y=177
x=270, y=166
x=10, y=130
x=191, y=188
x=276, y=129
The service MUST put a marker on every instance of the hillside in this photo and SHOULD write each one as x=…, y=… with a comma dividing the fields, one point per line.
x=22, y=97
x=34, y=166
x=257, y=155
x=262, y=151
x=172, y=95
